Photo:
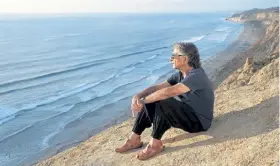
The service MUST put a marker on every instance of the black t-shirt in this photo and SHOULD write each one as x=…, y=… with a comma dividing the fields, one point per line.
x=201, y=94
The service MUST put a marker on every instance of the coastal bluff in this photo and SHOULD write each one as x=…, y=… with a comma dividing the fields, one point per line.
x=245, y=129
x=266, y=15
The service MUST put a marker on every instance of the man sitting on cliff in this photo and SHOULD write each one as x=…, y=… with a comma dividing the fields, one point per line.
x=184, y=101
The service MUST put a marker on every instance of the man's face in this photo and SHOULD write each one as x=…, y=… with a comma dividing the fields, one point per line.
x=177, y=59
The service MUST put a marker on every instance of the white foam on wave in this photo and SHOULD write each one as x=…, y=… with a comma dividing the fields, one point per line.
x=45, y=142
x=6, y=114
x=152, y=70
x=15, y=133
x=62, y=36
x=218, y=37
x=74, y=34
x=152, y=57
x=221, y=29
x=77, y=89
x=152, y=79
x=2, y=121
x=86, y=96
x=10, y=40
x=127, y=70
x=194, y=39
x=60, y=126
x=77, y=50
x=219, y=34
x=102, y=94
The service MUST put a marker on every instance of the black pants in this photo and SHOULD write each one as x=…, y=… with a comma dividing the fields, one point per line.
x=165, y=114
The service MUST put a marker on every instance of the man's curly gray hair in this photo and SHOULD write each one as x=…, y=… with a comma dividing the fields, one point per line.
x=190, y=50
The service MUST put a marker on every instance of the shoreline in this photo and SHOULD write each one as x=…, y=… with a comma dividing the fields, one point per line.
x=126, y=116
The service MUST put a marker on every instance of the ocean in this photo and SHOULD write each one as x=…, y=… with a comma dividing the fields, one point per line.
x=63, y=77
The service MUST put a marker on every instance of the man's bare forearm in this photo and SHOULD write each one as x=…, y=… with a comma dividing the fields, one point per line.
x=159, y=95
x=147, y=91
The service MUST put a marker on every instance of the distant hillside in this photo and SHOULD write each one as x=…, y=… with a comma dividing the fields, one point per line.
x=266, y=15
x=256, y=10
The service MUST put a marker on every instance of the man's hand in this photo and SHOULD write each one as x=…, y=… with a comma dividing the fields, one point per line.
x=136, y=104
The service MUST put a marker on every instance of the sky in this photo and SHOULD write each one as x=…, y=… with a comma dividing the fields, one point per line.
x=138, y=6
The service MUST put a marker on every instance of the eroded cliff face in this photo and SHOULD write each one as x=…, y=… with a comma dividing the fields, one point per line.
x=269, y=43
x=262, y=50
x=258, y=74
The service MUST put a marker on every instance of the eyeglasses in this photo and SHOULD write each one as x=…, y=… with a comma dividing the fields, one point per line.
x=175, y=56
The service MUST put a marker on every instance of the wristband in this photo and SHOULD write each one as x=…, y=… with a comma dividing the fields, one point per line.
x=142, y=100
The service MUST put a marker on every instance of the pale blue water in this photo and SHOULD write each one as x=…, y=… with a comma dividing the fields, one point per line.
x=61, y=77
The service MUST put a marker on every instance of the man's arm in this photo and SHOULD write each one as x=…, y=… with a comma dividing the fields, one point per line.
x=153, y=89
x=167, y=92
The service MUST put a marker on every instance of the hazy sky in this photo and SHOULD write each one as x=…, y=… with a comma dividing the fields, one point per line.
x=73, y=6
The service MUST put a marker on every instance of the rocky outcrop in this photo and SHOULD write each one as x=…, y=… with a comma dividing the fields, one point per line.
x=268, y=72
x=240, y=77
x=251, y=72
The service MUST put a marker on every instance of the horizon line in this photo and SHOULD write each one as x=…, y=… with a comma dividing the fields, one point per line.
x=125, y=12
x=80, y=13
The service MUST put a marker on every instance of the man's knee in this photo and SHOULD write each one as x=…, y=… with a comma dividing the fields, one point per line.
x=163, y=106
x=166, y=101
x=150, y=106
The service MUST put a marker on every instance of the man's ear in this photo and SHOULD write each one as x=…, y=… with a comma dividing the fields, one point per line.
x=185, y=58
